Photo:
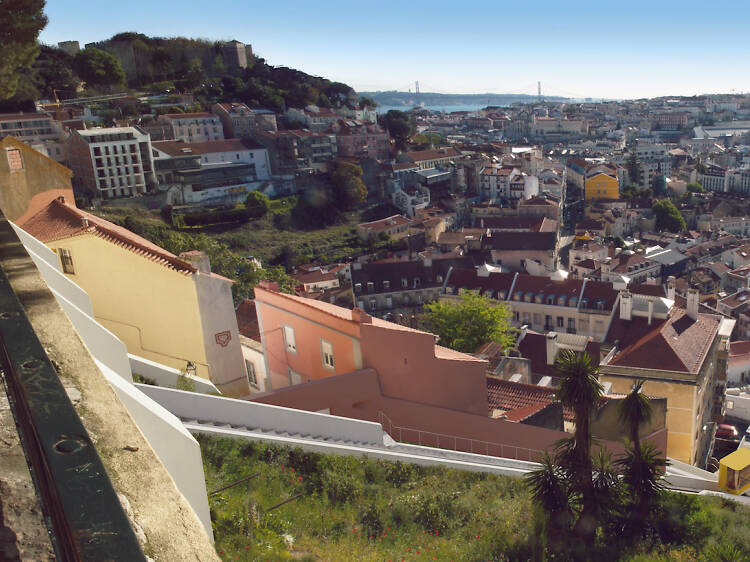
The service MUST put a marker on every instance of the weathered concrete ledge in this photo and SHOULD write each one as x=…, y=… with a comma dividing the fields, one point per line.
x=171, y=527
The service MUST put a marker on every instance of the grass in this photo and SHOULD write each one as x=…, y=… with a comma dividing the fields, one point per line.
x=364, y=509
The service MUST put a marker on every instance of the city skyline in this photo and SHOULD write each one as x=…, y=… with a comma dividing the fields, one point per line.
x=586, y=50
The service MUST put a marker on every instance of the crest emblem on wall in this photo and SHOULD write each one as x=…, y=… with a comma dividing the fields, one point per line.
x=223, y=338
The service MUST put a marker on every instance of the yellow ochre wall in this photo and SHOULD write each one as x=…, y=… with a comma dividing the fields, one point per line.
x=680, y=412
x=602, y=186
x=151, y=308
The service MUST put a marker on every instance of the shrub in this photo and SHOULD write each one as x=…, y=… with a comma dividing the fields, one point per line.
x=371, y=519
x=399, y=473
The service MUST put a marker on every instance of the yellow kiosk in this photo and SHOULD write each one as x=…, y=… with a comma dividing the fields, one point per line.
x=734, y=472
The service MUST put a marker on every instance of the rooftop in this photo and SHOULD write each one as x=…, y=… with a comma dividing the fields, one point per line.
x=59, y=220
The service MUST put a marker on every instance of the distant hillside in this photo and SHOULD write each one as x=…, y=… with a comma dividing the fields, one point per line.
x=231, y=66
x=409, y=99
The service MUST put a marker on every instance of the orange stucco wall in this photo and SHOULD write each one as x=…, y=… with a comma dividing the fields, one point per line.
x=404, y=359
x=310, y=327
x=409, y=370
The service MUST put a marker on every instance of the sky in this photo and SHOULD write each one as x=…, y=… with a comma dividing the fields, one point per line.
x=604, y=49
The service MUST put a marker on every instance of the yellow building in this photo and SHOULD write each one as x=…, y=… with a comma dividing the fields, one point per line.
x=165, y=308
x=680, y=355
x=600, y=184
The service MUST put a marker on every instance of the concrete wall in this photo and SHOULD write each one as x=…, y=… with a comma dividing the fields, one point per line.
x=23, y=193
x=167, y=376
x=256, y=415
x=226, y=366
x=176, y=448
x=160, y=507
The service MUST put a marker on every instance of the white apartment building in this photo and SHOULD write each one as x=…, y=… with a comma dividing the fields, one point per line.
x=194, y=127
x=38, y=130
x=202, y=172
x=111, y=162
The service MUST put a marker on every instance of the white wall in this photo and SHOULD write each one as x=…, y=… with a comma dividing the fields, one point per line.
x=167, y=376
x=737, y=406
x=172, y=443
x=226, y=365
x=189, y=405
x=176, y=448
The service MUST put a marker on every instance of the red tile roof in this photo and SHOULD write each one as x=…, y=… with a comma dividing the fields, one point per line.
x=423, y=155
x=58, y=220
x=247, y=319
x=510, y=396
x=677, y=343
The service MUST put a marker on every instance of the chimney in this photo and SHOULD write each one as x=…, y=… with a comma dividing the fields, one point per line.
x=551, y=348
x=199, y=260
x=61, y=198
x=85, y=222
x=670, y=287
x=626, y=305
x=693, y=299
x=360, y=316
x=650, y=311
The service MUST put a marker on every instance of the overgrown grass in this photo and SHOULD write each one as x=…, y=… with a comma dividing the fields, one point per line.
x=364, y=509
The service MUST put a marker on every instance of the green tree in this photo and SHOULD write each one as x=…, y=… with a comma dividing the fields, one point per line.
x=367, y=102
x=348, y=188
x=466, y=325
x=580, y=390
x=695, y=187
x=668, y=217
x=22, y=20
x=398, y=125
x=641, y=465
x=634, y=410
x=98, y=69
x=257, y=204
x=550, y=488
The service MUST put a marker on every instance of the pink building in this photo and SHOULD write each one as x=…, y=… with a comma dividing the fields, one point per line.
x=361, y=140
x=324, y=358
x=306, y=340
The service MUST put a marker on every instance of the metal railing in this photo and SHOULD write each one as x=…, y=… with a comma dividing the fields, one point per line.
x=82, y=510
x=454, y=442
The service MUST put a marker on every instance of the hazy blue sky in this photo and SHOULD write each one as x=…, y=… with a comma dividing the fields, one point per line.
x=622, y=49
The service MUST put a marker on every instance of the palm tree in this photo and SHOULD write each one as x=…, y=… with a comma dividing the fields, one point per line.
x=642, y=465
x=581, y=390
x=634, y=410
x=550, y=488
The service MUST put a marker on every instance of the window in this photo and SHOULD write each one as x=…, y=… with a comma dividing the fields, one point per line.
x=289, y=341
x=326, y=352
x=404, y=282
x=67, y=261
x=358, y=287
x=370, y=286
x=560, y=322
x=15, y=162
x=251, y=377
x=387, y=285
